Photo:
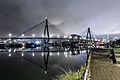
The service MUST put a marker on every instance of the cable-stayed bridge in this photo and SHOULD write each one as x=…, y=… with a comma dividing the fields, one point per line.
x=46, y=35
x=46, y=38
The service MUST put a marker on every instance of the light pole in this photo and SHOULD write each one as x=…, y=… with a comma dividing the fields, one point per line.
x=58, y=36
x=33, y=35
x=22, y=35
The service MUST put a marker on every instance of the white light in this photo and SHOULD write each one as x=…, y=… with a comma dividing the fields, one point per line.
x=33, y=35
x=23, y=35
x=33, y=54
x=64, y=36
x=42, y=54
x=50, y=35
x=42, y=35
x=45, y=72
x=5, y=41
x=23, y=45
x=96, y=39
x=37, y=42
x=9, y=50
x=70, y=36
x=58, y=36
x=80, y=51
x=65, y=49
x=75, y=37
x=9, y=55
x=116, y=37
x=84, y=51
x=46, y=17
x=70, y=52
x=51, y=54
x=75, y=52
x=22, y=54
x=14, y=50
x=15, y=41
x=10, y=34
x=65, y=54
x=58, y=53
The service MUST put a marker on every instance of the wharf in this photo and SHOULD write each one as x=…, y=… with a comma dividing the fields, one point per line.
x=102, y=68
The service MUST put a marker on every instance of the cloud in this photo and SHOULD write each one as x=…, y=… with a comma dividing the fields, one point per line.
x=72, y=16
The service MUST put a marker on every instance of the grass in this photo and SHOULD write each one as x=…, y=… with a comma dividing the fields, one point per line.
x=116, y=49
x=73, y=75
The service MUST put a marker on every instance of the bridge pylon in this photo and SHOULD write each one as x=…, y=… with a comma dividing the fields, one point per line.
x=46, y=32
x=88, y=34
x=88, y=40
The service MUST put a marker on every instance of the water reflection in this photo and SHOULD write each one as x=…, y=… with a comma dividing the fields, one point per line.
x=46, y=58
x=9, y=54
x=43, y=63
x=33, y=54
x=22, y=54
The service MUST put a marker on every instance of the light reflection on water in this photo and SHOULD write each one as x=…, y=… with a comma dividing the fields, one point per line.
x=32, y=65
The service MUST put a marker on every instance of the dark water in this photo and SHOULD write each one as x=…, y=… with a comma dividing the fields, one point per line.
x=31, y=65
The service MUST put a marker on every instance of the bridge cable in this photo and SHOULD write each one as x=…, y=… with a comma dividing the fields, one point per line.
x=30, y=28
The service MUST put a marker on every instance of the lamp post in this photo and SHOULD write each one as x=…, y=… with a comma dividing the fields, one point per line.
x=33, y=35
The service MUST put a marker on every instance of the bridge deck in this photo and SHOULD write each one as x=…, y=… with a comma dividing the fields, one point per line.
x=31, y=38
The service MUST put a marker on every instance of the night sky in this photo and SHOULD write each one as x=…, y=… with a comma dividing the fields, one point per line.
x=70, y=16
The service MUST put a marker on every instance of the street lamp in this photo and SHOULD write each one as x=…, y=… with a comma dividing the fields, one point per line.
x=42, y=35
x=76, y=37
x=33, y=35
x=58, y=36
x=51, y=36
x=65, y=36
x=5, y=41
x=9, y=34
x=22, y=35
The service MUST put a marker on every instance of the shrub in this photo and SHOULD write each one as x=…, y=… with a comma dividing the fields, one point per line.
x=73, y=75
